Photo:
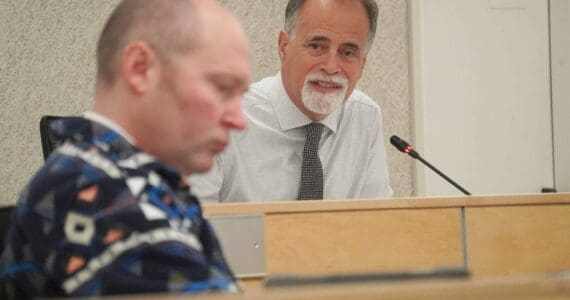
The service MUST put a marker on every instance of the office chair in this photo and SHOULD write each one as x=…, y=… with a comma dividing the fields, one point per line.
x=48, y=142
x=48, y=145
x=5, y=218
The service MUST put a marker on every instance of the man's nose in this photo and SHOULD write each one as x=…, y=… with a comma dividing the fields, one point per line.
x=233, y=117
x=331, y=64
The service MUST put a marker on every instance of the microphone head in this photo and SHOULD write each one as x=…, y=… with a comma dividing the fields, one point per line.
x=403, y=146
x=399, y=143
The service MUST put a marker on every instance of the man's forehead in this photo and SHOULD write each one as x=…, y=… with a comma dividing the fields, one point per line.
x=339, y=22
x=338, y=34
x=323, y=8
x=325, y=39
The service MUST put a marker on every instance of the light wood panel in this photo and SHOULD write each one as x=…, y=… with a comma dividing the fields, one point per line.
x=535, y=287
x=375, y=204
x=362, y=241
x=518, y=239
x=507, y=234
x=251, y=284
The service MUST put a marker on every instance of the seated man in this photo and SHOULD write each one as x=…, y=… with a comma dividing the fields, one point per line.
x=110, y=212
x=310, y=135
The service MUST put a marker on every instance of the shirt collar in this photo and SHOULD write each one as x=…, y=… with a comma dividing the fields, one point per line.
x=166, y=172
x=102, y=120
x=288, y=115
x=95, y=130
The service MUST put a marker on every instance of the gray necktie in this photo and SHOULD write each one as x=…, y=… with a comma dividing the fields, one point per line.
x=312, y=169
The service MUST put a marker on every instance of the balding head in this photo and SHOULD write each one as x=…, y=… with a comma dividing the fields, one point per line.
x=171, y=73
x=166, y=26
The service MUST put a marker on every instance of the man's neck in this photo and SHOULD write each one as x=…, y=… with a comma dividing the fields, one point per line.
x=109, y=123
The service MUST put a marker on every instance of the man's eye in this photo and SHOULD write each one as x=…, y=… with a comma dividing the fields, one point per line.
x=314, y=46
x=224, y=89
x=349, y=53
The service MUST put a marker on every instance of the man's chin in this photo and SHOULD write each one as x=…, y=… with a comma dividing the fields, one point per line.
x=322, y=103
x=202, y=165
x=321, y=109
x=202, y=169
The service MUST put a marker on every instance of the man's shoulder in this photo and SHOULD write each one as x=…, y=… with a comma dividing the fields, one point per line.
x=359, y=98
x=359, y=102
x=66, y=174
x=259, y=93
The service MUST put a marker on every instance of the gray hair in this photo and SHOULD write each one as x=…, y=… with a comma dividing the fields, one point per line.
x=293, y=7
x=156, y=22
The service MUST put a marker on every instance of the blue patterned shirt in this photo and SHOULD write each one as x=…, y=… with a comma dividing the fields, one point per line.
x=103, y=217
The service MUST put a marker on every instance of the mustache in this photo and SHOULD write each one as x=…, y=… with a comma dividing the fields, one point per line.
x=336, y=79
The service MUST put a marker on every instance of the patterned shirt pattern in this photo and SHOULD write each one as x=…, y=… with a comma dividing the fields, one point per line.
x=103, y=217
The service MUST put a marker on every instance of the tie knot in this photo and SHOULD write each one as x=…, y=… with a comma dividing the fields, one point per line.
x=314, y=129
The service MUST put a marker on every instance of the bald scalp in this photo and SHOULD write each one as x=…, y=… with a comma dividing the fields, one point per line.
x=167, y=26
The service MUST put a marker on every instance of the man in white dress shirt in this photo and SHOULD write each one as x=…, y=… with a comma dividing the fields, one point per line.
x=323, y=50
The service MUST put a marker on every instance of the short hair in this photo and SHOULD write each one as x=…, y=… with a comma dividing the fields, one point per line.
x=156, y=22
x=293, y=7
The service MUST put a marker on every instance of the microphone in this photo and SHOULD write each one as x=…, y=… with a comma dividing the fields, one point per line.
x=403, y=146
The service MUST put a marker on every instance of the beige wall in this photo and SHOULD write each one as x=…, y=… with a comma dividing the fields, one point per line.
x=560, y=47
x=47, y=67
x=482, y=85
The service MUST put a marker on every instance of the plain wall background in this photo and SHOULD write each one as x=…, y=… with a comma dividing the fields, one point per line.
x=482, y=97
x=47, y=66
x=560, y=41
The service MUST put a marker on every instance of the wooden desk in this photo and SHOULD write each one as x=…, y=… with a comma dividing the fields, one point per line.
x=506, y=235
x=536, y=287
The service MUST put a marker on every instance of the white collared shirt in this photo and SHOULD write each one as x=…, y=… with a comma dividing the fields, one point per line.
x=263, y=163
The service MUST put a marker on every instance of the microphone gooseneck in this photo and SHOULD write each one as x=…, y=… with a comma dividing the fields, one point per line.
x=403, y=146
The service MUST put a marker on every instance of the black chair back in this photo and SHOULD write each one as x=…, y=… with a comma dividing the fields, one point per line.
x=48, y=145
x=48, y=142
x=5, y=218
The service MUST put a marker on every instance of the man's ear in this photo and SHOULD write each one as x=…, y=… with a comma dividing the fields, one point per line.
x=283, y=41
x=139, y=66
x=363, y=63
